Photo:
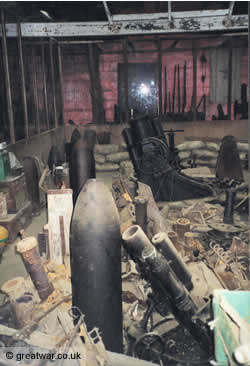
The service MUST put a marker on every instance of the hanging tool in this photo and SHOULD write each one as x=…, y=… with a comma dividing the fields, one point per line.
x=236, y=108
x=178, y=88
x=184, y=101
x=202, y=115
x=221, y=115
x=165, y=91
x=244, y=104
x=169, y=102
x=243, y=107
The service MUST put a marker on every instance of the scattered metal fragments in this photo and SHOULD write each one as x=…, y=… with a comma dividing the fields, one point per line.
x=191, y=226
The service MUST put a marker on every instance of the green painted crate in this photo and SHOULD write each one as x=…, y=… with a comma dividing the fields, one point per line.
x=226, y=332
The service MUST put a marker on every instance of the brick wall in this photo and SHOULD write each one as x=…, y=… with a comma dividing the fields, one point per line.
x=77, y=81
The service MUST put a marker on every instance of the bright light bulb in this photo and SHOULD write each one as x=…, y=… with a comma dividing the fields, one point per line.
x=144, y=89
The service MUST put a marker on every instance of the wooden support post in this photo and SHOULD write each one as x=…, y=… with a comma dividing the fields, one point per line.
x=53, y=81
x=194, y=96
x=34, y=84
x=45, y=95
x=25, y=109
x=96, y=88
x=125, y=60
x=7, y=80
x=59, y=50
x=230, y=71
x=160, y=78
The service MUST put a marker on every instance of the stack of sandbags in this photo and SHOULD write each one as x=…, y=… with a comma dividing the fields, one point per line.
x=202, y=153
x=205, y=153
x=111, y=158
x=243, y=149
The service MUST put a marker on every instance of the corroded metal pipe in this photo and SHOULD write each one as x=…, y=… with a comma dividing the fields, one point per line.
x=167, y=249
x=28, y=248
x=229, y=207
x=162, y=271
x=136, y=240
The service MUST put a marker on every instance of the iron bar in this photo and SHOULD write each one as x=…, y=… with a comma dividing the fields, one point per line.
x=7, y=79
x=34, y=82
x=25, y=109
x=61, y=79
x=230, y=76
x=108, y=13
x=160, y=78
x=125, y=60
x=45, y=88
x=53, y=81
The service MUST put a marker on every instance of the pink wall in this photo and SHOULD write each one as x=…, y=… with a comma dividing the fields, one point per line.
x=77, y=82
x=77, y=97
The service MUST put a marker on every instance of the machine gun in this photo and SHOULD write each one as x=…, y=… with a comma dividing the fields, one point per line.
x=155, y=164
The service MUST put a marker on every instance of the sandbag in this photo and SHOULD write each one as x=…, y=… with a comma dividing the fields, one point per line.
x=209, y=163
x=184, y=155
x=118, y=157
x=212, y=146
x=190, y=145
x=123, y=147
x=107, y=167
x=100, y=159
x=106, y=149
x=127, y=168
x=243, y=147
x=204, y=154
x=243, y=156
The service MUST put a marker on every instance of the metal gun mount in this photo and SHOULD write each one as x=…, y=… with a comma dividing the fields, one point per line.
x=155, y=162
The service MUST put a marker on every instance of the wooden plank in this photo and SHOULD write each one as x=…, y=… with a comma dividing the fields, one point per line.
x=7, y=80
x=25, y=110
x=52, y=69
x=59, y=50
x=125, y=60
x=60, y=204
x=135, y=24
x=45, y=95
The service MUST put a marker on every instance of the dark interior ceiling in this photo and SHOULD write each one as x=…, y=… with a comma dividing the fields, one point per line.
x=76, y=11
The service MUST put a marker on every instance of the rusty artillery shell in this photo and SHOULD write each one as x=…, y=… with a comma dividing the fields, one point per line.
x=28, y=247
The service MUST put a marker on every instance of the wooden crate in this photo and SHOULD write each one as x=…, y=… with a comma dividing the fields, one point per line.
x=16, y=193
x=15, y=222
